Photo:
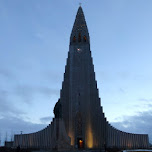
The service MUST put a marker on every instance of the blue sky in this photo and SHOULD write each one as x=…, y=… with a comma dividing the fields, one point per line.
x=34, y=42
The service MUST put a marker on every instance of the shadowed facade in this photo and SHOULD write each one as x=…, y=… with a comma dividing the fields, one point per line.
x=82, y=115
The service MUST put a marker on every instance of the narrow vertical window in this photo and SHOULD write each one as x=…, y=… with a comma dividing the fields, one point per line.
x=74, y=39
x=79, y=39
x=84, y=39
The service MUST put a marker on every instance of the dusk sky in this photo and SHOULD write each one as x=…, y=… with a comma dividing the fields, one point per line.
x=34, y=44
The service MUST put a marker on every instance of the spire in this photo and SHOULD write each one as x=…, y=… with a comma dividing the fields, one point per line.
x=80, y=30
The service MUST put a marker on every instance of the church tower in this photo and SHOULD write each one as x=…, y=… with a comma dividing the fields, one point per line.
x=78, y=113
x=79, y=94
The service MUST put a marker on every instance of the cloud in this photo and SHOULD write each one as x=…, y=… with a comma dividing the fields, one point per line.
x=6, y=106
x=145, y=99
x=46, y=119
x=10, y=124
x=140, y=123
x=27, y=93
x=122, y=90
x=6, y=74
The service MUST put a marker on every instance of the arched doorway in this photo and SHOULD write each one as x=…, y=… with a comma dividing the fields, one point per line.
x=80, y=143
x=78, y=125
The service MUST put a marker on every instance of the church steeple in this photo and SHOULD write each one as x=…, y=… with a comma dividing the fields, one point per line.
x=79, y=32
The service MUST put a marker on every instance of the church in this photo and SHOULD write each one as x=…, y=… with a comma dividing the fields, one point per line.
x=79, y=121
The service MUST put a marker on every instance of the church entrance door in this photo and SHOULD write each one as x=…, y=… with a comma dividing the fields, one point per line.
x=80, y=143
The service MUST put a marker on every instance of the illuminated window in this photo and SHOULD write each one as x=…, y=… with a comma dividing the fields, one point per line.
x=84, y=39
x=79, y=38
x=74, y=39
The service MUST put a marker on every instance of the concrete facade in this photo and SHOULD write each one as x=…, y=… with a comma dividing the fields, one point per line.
x=82, y=114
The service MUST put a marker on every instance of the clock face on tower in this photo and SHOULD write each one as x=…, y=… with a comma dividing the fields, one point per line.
x=79, y=50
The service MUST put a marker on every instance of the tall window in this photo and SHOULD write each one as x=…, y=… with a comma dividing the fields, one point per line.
x=79, y=38
x=84, y=38
x=74, y=39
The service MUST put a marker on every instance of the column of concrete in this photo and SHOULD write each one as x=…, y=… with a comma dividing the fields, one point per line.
x=105, y=128
x=127, y=140
x=100, y=129
x=144, y=141
x=45, y=139
x=131, y=141
x=112, y=134
x=23, y=140
x=139, y=138
x=135, y=140
x=110, y=139
x=114, y=137
x=123, y=141
x=29, y=140
x=42, y=138
x=33, y=140
x=26, y=140
x=108, y=135
x=103, y=131
x=118, y=138
x=147, y=141
x=138, y=141
x=27, y=137
x=28, y=145
x=50, y=136
x=15, y=139
x=38, y=139
x=120, y=142
x=124, y=138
